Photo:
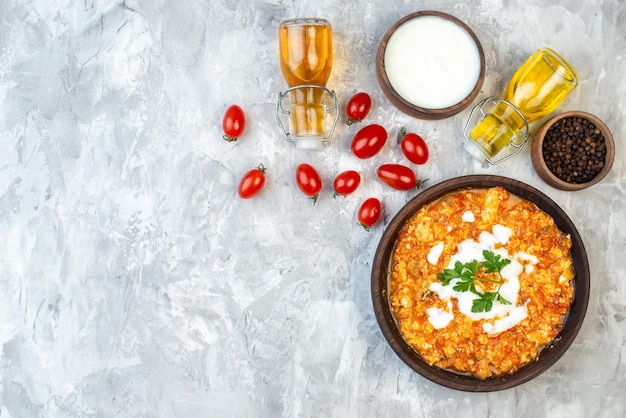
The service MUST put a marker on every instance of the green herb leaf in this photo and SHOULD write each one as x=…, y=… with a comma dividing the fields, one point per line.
x=481, y=305
x=494, y=263
x=472, y=267
x=468, y=273
x=449, y=274
x=464, y=285
x=502, y=300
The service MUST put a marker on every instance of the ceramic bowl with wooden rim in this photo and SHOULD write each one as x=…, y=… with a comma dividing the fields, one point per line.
x=542, y=277
x=430, y=65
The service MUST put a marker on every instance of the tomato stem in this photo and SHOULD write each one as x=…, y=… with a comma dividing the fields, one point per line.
x=351, y=121
x=230, y=138
x=262, y=168
x=314, y=199
x=420, y=183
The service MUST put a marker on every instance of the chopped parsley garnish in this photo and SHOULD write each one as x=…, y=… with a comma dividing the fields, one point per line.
x=469, y=273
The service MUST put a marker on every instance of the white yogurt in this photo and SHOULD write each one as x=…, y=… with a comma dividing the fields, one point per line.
x=502, y=316
x=434, y=253
x=515, y=316
x=468, y=216
x=432, y=62
x=439, y=318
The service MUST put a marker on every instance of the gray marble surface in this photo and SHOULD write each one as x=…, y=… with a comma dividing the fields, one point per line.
x=133, y=280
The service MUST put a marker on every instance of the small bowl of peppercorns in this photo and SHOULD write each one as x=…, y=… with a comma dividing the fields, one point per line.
x=573, y=150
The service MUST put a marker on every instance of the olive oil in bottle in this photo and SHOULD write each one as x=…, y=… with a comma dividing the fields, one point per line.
x=537, y=88
x=540, y=85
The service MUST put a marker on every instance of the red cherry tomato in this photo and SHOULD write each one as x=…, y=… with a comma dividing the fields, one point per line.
x=346, y=182
x=414, y=147
x=399, y=177
x=358, y=108
x=308, y=181
x=369, y=141
x=234, y=123
x=370, y=212
x=252, y=182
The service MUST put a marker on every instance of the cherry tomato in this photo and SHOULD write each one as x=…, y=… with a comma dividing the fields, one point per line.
x=308, y=181
x=414, y=147
x=358, y=108
x=399, y=177
x=369, y=141
x=346, y=182
x=234, y=123
x=252, y=182
x=370, y=212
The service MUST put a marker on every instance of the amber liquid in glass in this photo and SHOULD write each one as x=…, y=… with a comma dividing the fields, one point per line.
x=537, y=88
x=306, y=56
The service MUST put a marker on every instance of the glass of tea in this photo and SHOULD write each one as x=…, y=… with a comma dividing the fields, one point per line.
x=500, y=126
x=307, y=112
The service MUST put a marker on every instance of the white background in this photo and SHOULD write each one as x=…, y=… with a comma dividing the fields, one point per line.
x=134, y=281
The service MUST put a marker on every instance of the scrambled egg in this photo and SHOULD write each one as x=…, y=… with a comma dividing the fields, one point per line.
x=463, y=345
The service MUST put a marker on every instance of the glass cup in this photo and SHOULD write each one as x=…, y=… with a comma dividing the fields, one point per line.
x=499, y=127
x=307, y=112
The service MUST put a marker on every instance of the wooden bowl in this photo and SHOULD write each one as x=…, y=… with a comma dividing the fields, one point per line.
x=548, y=356
x=540, y=143
x=403, y=103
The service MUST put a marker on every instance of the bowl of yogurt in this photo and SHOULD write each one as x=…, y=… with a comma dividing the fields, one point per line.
x=430, y=65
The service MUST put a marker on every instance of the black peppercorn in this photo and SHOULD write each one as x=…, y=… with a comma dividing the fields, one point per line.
x=574, y=150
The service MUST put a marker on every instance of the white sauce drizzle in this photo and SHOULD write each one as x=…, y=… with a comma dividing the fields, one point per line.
x=439, y=318
x=515, y=316
x=468, y=216
x=504, y=316
x=435, y=253
x=530, y=258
